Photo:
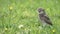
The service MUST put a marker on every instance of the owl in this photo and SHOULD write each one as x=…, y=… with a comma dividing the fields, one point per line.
x=43, y=17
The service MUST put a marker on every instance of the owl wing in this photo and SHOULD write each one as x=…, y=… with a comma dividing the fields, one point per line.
x=47, y=20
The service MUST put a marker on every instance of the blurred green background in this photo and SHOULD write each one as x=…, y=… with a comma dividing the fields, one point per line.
x=21, y=17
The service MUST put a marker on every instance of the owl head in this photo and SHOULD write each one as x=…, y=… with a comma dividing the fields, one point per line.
x=41, y=10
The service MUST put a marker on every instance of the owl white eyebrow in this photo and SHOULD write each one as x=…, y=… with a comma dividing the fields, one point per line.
x=41, y=12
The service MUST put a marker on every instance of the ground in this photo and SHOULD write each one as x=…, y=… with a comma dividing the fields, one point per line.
x=21, y=16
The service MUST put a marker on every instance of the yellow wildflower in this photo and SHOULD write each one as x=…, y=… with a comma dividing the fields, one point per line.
x=5, y=28
x=53, y=30
x=10, y=7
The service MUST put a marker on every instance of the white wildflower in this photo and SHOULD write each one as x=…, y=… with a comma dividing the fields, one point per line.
x=20, y=26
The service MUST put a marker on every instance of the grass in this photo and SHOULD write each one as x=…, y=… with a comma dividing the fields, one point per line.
x=21, y=17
